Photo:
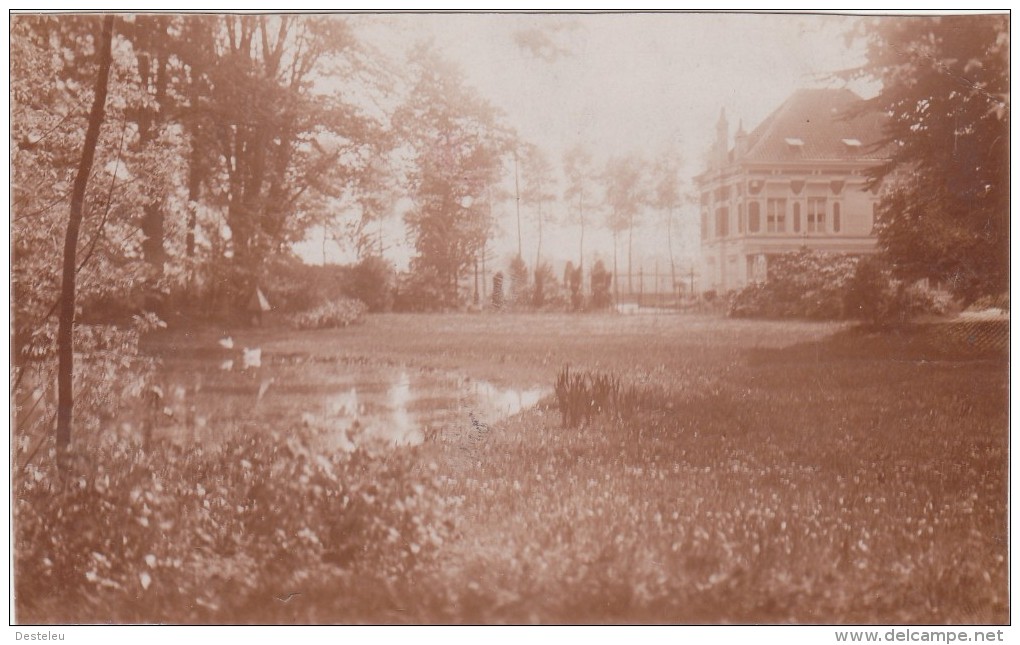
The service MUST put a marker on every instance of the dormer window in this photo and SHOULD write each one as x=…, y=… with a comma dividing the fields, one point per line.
x=794, y=142
x=852, y=143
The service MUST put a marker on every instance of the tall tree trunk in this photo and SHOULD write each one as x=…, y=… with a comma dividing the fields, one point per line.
x=630, y=257
x=616, y=273
x=669, y=241
x=517, y=194
x=538, y=251
x=194, y=192
x=152, y=65
x=65, y=340
x=580, y=215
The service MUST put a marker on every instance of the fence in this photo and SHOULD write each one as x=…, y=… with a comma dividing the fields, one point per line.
x=644, y=290
x=656, y=290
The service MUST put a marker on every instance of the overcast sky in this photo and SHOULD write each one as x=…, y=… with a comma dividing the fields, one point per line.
x=629, y=82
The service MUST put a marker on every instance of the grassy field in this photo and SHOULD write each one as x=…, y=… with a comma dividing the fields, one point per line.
x=786, y=473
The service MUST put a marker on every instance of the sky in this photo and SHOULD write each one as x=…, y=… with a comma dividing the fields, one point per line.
x=624, y=83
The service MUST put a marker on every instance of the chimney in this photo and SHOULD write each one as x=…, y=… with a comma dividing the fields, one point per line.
x=740, y=141
x=722, y=139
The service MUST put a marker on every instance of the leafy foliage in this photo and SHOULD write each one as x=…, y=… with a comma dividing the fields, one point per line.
x=945, y=87
x=331, y=315
x=537, y=190
x=518, y=282
x=875, y=296
x=574, y=280
x=601, y=280
x=421, y=289
x=212, y=533
x=579, y=171
x=457, y=145
x=828, y=286
x=371, y=281
x=804, y=284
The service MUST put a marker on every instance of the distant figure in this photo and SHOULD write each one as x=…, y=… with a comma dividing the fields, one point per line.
x=497, y=291
x=257, y=305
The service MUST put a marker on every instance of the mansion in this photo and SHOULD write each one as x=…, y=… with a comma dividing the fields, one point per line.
x=796, y=181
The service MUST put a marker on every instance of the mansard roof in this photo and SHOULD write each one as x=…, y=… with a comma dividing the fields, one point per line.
x=817, y=125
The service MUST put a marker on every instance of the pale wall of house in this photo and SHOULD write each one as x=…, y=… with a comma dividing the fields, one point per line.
x=731, y=260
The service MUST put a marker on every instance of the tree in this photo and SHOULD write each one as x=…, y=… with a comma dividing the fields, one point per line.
x=538, y=187
x=944, y=213
x=456, y=145
x=577, y=166
x=65, y=343
x=625, y=194
x=52, y=81
x=282, y=140
x=666, y=196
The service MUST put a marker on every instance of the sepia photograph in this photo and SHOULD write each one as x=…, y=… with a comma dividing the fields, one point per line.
x=664, y=318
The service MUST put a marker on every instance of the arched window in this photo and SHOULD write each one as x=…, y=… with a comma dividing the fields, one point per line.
x=836, y=217
x=796, y=217
x=753, y=217
x=722, y=222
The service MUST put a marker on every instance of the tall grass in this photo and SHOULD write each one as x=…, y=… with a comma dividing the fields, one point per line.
x=702, y=471
x=582, y=396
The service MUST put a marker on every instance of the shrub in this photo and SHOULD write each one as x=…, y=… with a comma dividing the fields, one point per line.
x=110, y=374
x=574, y=277
x=292, y=286
x=212, y=533
x=1000, y=301
x=547, y=293
x=543, y=278
x=497, y=291
x=804, y=284
x=420, y=290
x=874, y=296
x=331, y=315
x=518, y=296
x=601, y=280
x=371, y=281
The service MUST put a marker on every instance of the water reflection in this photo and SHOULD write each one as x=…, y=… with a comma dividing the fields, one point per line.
x=346, y=406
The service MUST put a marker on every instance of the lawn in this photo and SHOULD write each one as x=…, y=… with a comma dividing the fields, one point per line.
x=779, y=473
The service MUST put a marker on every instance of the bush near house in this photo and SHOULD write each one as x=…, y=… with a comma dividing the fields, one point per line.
x=874, y=296
x=825, y=286
x=804, y=284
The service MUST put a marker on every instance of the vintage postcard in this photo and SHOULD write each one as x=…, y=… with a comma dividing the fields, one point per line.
x=494, y=318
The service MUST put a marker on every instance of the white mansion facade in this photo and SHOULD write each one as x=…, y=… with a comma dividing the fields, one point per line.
x=796, y=181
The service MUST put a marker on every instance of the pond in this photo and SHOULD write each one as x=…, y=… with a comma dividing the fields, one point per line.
x=345, y=404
